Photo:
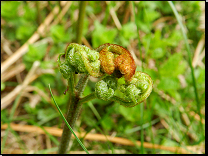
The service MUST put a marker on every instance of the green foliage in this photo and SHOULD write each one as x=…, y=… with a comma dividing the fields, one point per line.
x=164, y=58
x=9, y=9
x=18, y=24
x=35, y=53
x=102, y=35
x=169, y=83
x=127, y=33
x=4, y=116
x=59, y=34
x=173, y=66
x=107, y=123
x=132, y=114
x=22, y=34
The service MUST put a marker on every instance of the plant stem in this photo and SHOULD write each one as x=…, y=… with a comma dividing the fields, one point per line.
x=88, y=98
x=39, y=19
x=82, y=84
x=82, y=6
x=74, y=110
x=71, y=114
x=74, y=104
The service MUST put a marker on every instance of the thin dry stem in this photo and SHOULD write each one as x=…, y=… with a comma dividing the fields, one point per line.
x=98, y=137
x=84, y=40
x=197, y=117
x=199, y=47
x=12, y=95
x=23, y=49
x=62, y=13
x=114, y=16
x=11, y=73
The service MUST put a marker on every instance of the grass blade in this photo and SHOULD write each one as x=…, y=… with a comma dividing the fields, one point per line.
x=192, y=69
x=189, y=55
x=68, y=123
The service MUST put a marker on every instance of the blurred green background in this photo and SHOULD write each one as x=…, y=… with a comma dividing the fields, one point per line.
x=170, y=114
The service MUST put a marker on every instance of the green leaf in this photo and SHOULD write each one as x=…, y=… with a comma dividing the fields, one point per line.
x=44, y=113
x=173, y=66
x=127, y=33
x=107, y=123
x=35, y=53
x=58, y=34
x=102, y=35
x=46, y=79
x=132, y=114
x=29, y=109
x=128, y=30
x=151, y=15
x=87, y=91
x=157, y=53
x=25, y=31
x=155, y=45
x=30, y=13
x=174, y=39
x=9, y=9
x=169, y=83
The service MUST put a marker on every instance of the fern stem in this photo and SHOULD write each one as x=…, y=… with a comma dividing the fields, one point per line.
x=82, y=6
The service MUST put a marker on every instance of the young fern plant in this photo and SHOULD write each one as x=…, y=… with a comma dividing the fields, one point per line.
x=114, y=65
x=116, y=68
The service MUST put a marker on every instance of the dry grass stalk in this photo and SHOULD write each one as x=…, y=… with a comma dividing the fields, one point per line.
x=63, y=12
x=12, y=72
x=18, y=151
x=199, y=47
x=163, y=19
x=84, y=40
x=175, y=136
x=201, y=57
x=98, y=137
x=23, y=49
x=12, y=95
x=197, y=117
x=114, y=16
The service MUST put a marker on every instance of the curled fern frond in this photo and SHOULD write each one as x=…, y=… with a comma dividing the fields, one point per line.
x=134, y=92
x=120, y=83
x=116, y=59
x=124, y=92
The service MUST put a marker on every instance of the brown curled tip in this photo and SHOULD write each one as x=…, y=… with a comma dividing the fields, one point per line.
x=115, y=58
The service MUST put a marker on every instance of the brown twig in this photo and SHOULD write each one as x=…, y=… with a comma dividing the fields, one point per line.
x=98, y=137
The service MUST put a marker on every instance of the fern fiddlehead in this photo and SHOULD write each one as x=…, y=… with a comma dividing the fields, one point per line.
x=81, y=59
x=115, y=58
x=127, y=93
x=120, y=83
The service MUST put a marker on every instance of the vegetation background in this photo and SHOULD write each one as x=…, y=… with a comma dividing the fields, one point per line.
x=33, y=34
